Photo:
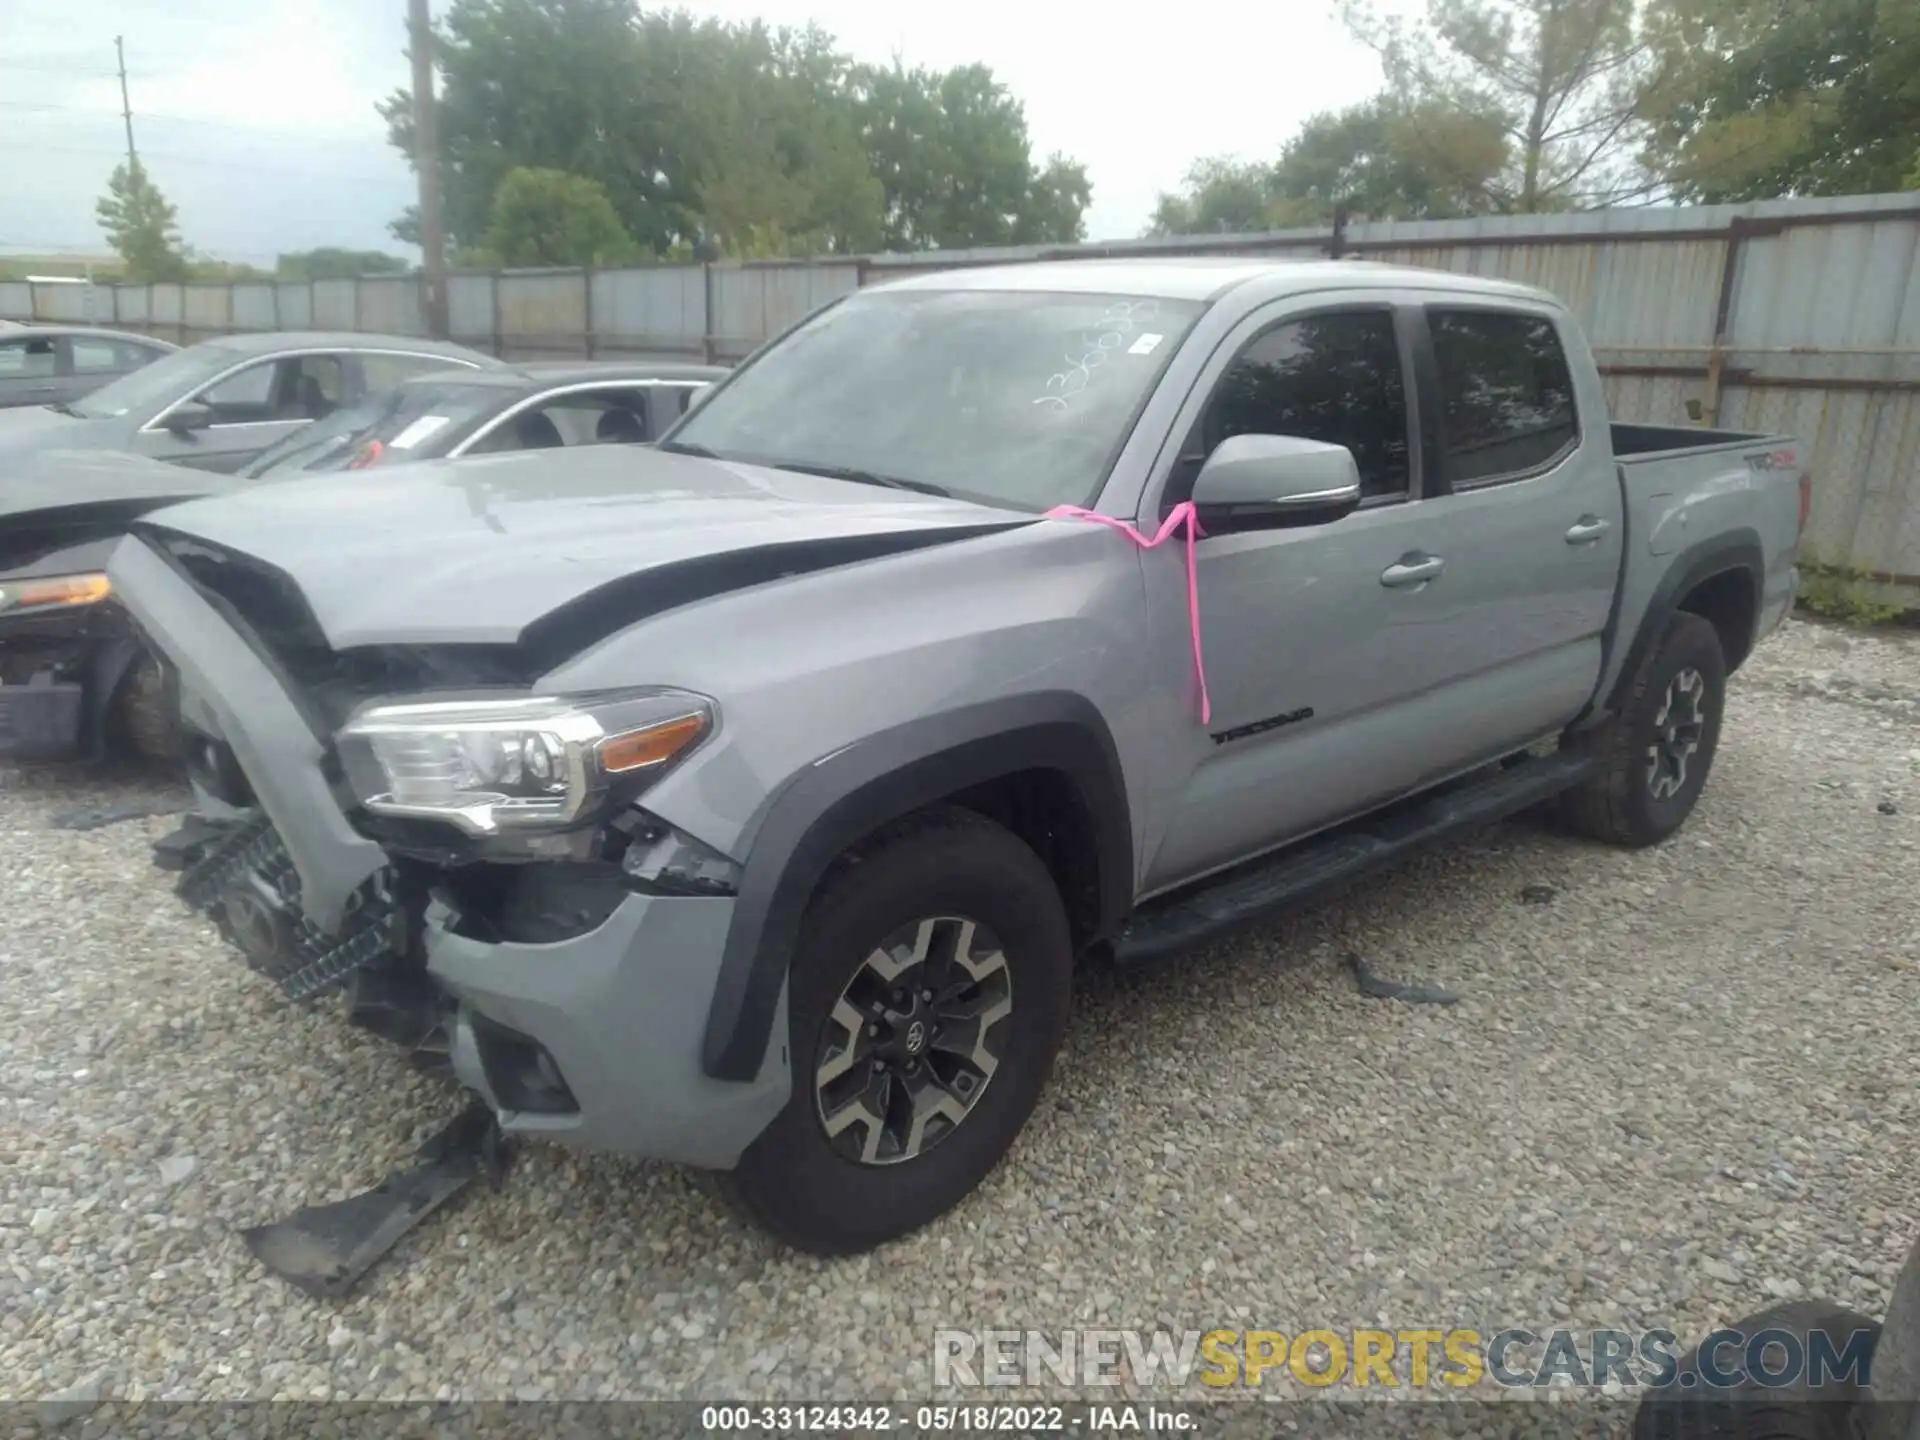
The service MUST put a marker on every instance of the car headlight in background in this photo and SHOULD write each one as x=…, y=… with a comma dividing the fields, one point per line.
x=53, y=592
x=523, y=762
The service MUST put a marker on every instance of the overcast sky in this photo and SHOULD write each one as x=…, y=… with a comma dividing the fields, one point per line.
x=256, y=116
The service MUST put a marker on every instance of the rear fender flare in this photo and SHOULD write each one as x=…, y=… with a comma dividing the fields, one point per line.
x=831, y=804
x=1736, y=550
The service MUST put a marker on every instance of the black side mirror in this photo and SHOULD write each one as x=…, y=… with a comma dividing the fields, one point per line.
x=1256, y=482
x=187, y=418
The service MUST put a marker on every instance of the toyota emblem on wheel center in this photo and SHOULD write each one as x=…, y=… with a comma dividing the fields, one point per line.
x=916, y=1038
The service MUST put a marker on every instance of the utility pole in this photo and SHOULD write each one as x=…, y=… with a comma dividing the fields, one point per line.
x=126, y=106
x=426, y=165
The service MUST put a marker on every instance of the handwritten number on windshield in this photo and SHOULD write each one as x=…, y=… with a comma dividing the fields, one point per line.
x=1122, y=318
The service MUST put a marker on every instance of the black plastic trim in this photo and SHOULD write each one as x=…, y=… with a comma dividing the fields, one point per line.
x=831, y=804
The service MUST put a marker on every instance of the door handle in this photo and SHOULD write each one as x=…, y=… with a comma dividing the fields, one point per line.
x=1587, y=529
x=1415, y=569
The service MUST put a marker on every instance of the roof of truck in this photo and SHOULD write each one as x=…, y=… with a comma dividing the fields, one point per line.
x=1198, y=277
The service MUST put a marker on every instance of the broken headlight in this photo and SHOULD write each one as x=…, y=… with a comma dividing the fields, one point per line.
x=532, y=762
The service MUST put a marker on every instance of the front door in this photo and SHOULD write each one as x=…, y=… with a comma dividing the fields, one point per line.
x=1310, y=633
x=253, y=407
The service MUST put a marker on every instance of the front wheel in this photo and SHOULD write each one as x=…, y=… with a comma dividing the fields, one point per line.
x=1655, y=754
x=928, y=998
x=143, y=718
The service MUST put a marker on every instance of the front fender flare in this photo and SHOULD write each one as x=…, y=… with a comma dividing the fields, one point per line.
x=831, y=804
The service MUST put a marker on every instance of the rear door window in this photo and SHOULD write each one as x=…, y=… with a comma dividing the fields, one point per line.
x=27, y=359
x=1506, y=394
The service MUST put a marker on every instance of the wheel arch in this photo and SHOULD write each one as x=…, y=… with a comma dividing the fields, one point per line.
x=959, y=756
x=1718, y=579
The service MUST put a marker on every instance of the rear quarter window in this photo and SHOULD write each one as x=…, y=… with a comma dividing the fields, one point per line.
x=1506, y=394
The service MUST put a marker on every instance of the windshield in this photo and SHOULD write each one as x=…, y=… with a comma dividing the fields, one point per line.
x=409, y=422
x=146, y=391
x=1013, y=398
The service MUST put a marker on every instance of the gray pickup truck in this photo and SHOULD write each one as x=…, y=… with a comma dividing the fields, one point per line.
x=747, y=802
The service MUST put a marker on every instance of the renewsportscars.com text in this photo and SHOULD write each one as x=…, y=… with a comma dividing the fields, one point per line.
x=1382, y=1362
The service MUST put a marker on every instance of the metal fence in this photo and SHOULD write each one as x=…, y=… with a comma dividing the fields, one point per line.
x=1791, y=315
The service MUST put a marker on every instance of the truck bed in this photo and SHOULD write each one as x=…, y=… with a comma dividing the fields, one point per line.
x=1638, y=442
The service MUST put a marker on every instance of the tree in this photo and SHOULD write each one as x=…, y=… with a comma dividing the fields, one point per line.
x=141, y=225
x=1218, y=194
x=734, y=139
x=1563, y=79
x=330, y=262
x=1785, y=97
x=548, y=217
x=1392, y=159
x=951, y=151
x=1382, y=159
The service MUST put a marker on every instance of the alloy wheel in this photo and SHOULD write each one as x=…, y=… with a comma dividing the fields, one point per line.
x=913, y=1041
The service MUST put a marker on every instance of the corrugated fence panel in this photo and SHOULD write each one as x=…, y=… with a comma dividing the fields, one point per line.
x=255, y=308
x=335, y=306
x=753, y=303
x=296, y=304
x=73, y=304
x=657, y=311
x=470, y=310
x=16, y=300
x=166, y=305
x=543, y=312
x=206, y=310
x=132, y=306
x=390, y=305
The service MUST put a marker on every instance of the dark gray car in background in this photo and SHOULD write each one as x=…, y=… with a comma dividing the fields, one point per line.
x=48, y=364
x=454, y=413
x=216, y=405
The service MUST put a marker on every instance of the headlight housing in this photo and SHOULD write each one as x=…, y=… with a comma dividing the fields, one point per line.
x=53, y=592
x=530, y=762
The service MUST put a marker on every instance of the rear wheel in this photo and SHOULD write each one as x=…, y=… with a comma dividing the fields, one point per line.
x=1656, y=753
x=928, y=997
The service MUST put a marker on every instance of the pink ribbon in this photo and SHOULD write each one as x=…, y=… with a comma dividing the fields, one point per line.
x=1182, y=517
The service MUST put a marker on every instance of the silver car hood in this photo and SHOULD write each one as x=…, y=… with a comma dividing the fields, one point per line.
x=26, y=429
x=475, y=551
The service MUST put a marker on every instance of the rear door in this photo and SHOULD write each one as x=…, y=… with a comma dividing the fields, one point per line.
x=29, y=370
x=1527, y=515
x=93, y=360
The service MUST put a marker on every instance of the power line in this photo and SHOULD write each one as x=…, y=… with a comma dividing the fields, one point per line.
x=174, y=157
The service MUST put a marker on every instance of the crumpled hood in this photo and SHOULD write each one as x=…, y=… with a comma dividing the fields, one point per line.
x=475, y=551
x=52, y=480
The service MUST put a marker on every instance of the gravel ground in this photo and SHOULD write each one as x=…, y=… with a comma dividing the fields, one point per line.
x=1678, y=1086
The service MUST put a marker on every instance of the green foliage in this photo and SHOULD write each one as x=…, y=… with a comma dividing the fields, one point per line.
x=205, y=267
x=331, y=262
x=1562, y=81
x=1846, y=593
x=951, y=152
x=141, y=225
x=548, y=217
x=1383, y=159
x=712, y=138
x=1785, y=97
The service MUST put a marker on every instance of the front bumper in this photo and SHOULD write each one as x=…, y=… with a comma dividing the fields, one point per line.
x=620, y=1010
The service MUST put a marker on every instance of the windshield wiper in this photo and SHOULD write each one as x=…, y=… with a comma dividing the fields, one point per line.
x=864, y=477
x=61, y=407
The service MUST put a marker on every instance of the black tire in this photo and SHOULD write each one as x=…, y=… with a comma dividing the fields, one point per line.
x=142, y=720
x=1752, y=1410
x=1618, y=803
x=946, y=862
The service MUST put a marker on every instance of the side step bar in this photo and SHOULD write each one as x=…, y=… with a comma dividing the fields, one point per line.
x=1264, y=888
